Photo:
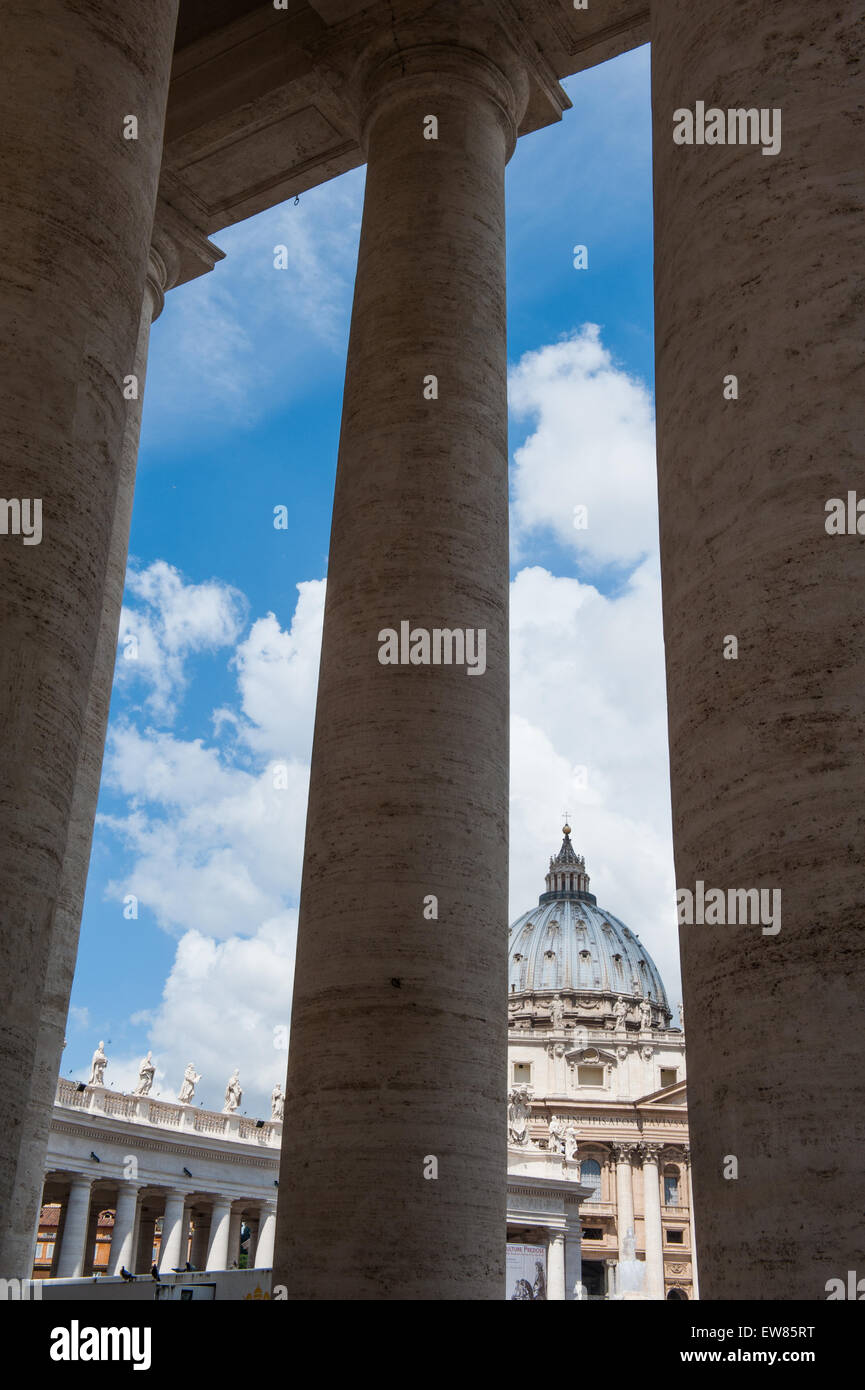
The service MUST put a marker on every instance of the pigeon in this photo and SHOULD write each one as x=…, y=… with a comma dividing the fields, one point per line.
x=155, y=1272
x=126, y=1276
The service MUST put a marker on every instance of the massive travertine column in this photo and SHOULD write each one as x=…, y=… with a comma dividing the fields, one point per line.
x=79, y=180
x=393, y=1175
x=73, y=1251
x=759, y=277
x=123, y=1234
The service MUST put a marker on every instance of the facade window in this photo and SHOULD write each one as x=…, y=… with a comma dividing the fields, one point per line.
x=590, y=1076
x=671, y=1186
x=522, y=1073
x=669, y=1076
x=675, y=1238
x=592, y=1233
x=590, y=1176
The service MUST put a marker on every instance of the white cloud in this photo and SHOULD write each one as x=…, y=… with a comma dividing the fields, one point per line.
x=226, y=1004
x=591, y=445
x=172, y=621
x=235, y=344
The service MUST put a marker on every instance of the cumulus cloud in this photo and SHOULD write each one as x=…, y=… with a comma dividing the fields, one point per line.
x=171, y=621
x=591, y=445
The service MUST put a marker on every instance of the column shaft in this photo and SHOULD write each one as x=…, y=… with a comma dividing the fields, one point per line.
x=72, y=1250
x=625, y=1208
x=409, y=782
x=265, y=1242
x=172, y=1248
x=220, y=1223
x=556, y=1266
x=653, y=1229
x=233, y=1255
x=76, y=219
x=759, y=275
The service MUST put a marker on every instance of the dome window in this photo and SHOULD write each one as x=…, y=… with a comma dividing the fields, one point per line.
x=550, y=955
x=585, y=955
x=517, y=956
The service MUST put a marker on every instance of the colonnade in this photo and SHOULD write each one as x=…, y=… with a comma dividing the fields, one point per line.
x=203, y=1229
x=754, y=267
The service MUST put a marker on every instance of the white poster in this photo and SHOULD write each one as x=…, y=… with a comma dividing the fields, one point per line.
x=526, y=1272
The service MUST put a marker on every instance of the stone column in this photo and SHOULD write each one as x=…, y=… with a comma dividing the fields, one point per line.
x=90, y=1239
x=233, y=1256
x=200, y=1241
x=692, y=1227
x=613, y=1290
x=265, y=1242
x=78, y=202
x=144, y=1247
x=251, y=1254
x=556, y=1266
x=759, y=277
x=405, y=871
x=220, y=1224
x=625, y=1202
x=172, y=1248
x=652, y=1222
x=573, y=1262
x=72, y=1250
x=179, y=252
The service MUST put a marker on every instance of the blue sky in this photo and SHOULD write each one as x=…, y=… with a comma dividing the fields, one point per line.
x=203, y=798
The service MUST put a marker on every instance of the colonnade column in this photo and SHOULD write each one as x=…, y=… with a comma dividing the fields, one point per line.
x=200, y=1241
x=394, y=1168
x=625, y=1202
x=266, y=1233
x=233, y=1256
x=759, y=325
x=172, y=1247
x=78, y=208
x=652, y=1222
x=220, y=1225
x=72, y=1249
x=145, y=1241
x=556, y=1266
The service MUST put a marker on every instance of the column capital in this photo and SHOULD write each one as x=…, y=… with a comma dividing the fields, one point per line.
x=179, y=251
x=624, y=1152
x=652, y=1152
x=431, y=70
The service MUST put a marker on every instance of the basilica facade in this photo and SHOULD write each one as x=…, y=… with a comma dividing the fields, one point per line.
x=596, y=1103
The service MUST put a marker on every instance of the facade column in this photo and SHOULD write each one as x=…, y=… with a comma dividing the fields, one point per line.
x=172, y=1247
x=556, y=1266
x=220, y=1224
x=78, y=207
x=759, y=290
x=625, y=1202
x=652, y=1222
x=695, y=1282
x=265, y=1243
x=409, y=775
x=72, y=1250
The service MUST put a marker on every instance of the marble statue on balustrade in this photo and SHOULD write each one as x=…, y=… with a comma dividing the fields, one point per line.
x=645, y=1015
x=233, y=1093
x=571, y=1140
x=191, y=1079
x=97, y=1067
x=277, y=1102
x=620, y=1011
x=146, y=1073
